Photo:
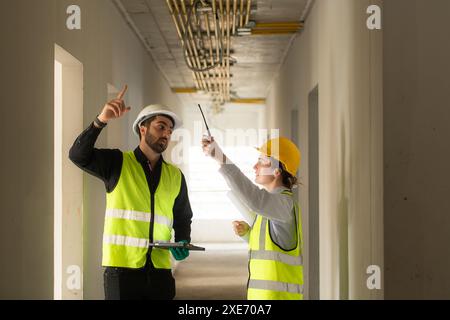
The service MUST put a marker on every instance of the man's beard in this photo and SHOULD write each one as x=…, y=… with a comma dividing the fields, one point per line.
x=157, y=145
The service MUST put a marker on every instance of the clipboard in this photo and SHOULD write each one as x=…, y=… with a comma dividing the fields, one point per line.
x=168, y=245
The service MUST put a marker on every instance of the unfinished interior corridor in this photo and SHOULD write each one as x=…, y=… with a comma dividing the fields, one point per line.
x=359, y=86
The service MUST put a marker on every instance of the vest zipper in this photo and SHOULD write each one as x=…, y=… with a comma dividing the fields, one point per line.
x=152, y=219
x=152, y=215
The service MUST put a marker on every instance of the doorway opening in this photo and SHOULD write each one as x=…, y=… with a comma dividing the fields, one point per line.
x=68, y=180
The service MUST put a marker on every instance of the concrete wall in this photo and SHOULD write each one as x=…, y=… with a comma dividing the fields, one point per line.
x=417, y=152
x=110, y=53
x=337, y=52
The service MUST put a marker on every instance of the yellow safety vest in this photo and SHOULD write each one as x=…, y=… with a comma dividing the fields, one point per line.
x=128, y=213
x=275, y=274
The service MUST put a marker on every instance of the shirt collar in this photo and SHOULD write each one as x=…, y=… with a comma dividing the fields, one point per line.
x=280, y=190
x=141, y=158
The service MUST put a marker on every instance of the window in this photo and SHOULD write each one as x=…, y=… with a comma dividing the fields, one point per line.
x=208, y=189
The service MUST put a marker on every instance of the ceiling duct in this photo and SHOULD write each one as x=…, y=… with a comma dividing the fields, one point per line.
x=205, y=28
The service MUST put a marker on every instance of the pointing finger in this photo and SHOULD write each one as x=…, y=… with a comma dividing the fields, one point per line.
x=122, y=93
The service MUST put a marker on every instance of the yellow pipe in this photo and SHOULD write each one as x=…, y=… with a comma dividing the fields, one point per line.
x=249, y=101
x=272, y=32
x=184, y=90
x=268, y=28
x=279, y=25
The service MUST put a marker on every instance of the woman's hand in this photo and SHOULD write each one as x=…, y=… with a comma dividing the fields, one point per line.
x=212, y=149
x=241, y=228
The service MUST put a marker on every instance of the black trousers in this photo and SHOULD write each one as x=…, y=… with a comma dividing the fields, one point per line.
x=147, y=283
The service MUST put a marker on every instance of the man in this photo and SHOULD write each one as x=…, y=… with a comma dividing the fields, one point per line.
x=146, y=198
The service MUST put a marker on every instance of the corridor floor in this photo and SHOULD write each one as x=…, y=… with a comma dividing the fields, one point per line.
x=219, y=273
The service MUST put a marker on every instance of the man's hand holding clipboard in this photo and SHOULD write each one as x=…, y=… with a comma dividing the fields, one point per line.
x=182, y=245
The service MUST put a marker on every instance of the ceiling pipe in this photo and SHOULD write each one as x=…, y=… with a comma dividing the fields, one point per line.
x=211, y=55
x=249, y=100
x=203, y=46
x=184, y=90
x=216, y=72
x=186, y=46
x=228, y=49
x=198, y=43
x=234, y=16
x=218, y=47
x=190, y=34
x=276, y=28
x=241, y=14
x=222, y=70
x=233, y=100
x=191, y=37
x=249, y=6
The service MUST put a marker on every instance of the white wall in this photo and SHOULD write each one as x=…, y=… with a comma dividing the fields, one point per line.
x=110, y=53
x=26, y=227
x=417, y=153
x=337, y=52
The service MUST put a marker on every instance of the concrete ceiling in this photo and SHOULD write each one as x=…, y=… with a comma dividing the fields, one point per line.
x=258, y=56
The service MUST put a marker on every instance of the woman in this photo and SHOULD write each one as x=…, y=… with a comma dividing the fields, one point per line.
x=275, y=236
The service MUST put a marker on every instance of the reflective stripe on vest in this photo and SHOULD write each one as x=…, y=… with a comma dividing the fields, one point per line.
x=275, y=286
x=126, y=241
x=138, y=216
x=277, y=256
x=274, y=273
x=128, y=213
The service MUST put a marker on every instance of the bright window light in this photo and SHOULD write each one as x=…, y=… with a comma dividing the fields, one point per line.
x=208, y=189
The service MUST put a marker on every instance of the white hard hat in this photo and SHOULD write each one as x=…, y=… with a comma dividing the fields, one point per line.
x=155, y=110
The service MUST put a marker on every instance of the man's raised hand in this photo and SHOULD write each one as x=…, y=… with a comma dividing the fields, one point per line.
x=114, y=109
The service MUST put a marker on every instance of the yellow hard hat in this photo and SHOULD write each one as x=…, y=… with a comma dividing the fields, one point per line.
x=285, y=151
